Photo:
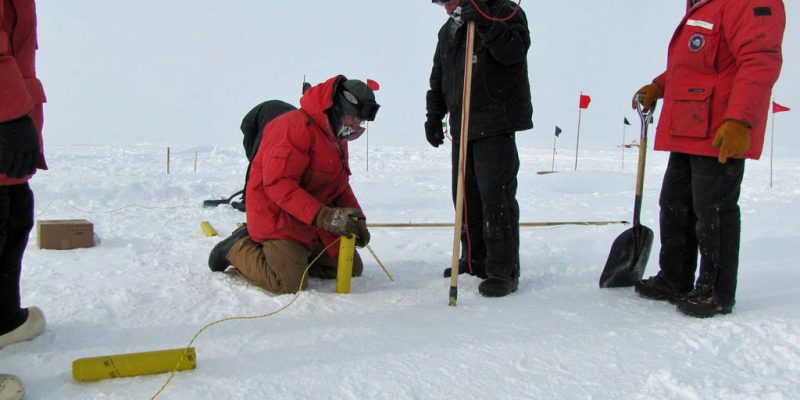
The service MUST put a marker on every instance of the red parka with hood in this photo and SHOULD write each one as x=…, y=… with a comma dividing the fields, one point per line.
x=21, y=93
x=300, y=166
x=723, y=60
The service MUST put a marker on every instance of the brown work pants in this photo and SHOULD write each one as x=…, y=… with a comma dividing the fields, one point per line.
x=277, y=266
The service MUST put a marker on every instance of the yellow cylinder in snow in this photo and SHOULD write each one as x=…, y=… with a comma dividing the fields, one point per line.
x=133, y=364
x=344, y=271
x=208, y=229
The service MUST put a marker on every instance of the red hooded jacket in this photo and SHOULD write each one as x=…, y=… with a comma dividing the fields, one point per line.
x=723, y=60
x=300, y=166
x=21, y=93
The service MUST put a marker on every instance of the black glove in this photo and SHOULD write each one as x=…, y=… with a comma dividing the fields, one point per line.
x=469, y=13
x=19, y=147
x=339, y=221
x=434, y=132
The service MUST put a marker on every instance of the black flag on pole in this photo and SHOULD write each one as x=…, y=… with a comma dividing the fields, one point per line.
x=625, y=120
x=558, y=131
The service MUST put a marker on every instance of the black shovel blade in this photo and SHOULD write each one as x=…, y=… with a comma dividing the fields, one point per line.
x=628, y=258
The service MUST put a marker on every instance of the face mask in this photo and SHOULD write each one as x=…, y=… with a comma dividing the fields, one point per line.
x=348, y=132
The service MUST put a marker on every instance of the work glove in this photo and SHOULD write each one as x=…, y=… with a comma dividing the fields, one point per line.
x=362, y=237
x=469, y=13
x=339, y=221
x=434, y=131
x=648, y=95
x=19, y=147
x=732, y=139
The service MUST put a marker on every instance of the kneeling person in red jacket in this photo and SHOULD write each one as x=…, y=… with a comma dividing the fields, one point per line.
x=299, y=198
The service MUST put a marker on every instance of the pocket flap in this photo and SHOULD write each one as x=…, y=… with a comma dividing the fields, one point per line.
x=692, y=93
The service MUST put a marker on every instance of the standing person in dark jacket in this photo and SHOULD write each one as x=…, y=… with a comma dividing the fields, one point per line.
x=500, y=106
x=722, y=62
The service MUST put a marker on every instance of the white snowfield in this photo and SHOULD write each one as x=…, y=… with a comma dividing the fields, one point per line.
x=146, y=286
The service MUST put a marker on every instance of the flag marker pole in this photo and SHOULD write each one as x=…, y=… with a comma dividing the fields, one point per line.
x=623, y=144
x=578, y=136
x=553, y=164
x=771, y=147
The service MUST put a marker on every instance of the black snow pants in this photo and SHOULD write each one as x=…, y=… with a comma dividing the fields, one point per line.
x=16, y=222
x=700, y=211
x=490, y=232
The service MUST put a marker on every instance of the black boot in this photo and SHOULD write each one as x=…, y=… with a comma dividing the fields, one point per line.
x=657, y=287
x=498, y=287
x=700, y=303
x=218, y=259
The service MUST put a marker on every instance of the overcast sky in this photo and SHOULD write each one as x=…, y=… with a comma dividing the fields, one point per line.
x=184, y=72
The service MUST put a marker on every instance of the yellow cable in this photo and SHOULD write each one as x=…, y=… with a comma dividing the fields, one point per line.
x=109, y=211
x=296, y=295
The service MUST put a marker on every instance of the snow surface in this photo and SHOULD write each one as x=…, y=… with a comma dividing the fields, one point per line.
x=146, y=286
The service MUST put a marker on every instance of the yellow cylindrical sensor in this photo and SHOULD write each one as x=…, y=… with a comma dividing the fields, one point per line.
x=133, y=364
x=208, y=229
x=344, y=271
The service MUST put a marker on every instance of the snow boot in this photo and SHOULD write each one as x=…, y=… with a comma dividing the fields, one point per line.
x=463, y=268
x=11, y=387
x=498, y=287
x=657, y=287
x=218, y=259
x=700, y=303
x=32, y=327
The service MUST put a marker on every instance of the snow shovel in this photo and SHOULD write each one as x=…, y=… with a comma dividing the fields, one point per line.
x=630, y=251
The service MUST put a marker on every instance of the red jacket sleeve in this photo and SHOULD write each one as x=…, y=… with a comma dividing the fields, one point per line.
x=15, y=101
x=755, y=42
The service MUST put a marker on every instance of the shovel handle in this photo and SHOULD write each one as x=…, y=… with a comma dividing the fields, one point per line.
x=646, y=118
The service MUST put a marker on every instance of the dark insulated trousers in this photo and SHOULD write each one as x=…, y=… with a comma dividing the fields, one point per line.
x=700, y=212
x=16, y=222
x=491, y=213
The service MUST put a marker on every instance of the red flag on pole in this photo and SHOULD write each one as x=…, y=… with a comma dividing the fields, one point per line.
x=584, y=102
x=776, y=108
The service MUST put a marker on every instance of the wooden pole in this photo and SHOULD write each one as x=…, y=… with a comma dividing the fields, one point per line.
x=522, y=224
x=462, y=160
x=195, y=162
x=553, y=164
x=167, y=160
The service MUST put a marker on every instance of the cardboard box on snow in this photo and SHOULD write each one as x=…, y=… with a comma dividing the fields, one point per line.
x=64, y=234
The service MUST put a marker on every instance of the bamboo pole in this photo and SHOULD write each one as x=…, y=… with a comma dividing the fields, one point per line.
x=521, y=225
x=462, y=159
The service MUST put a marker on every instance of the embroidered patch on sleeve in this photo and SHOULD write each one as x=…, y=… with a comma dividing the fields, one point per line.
x=762, y=11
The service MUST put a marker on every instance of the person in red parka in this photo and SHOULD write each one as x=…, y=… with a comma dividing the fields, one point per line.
x=299, y=198
x=21, y=98
x=722, y=63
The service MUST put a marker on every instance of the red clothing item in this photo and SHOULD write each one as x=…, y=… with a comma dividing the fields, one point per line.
x=723, y=60
x=21, y=93
x=300, y=166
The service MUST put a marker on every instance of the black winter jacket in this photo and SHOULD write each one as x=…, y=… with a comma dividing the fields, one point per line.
x=500, y=100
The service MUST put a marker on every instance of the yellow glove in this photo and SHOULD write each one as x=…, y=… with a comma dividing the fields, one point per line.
x=648, y=95
x=732, y=139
